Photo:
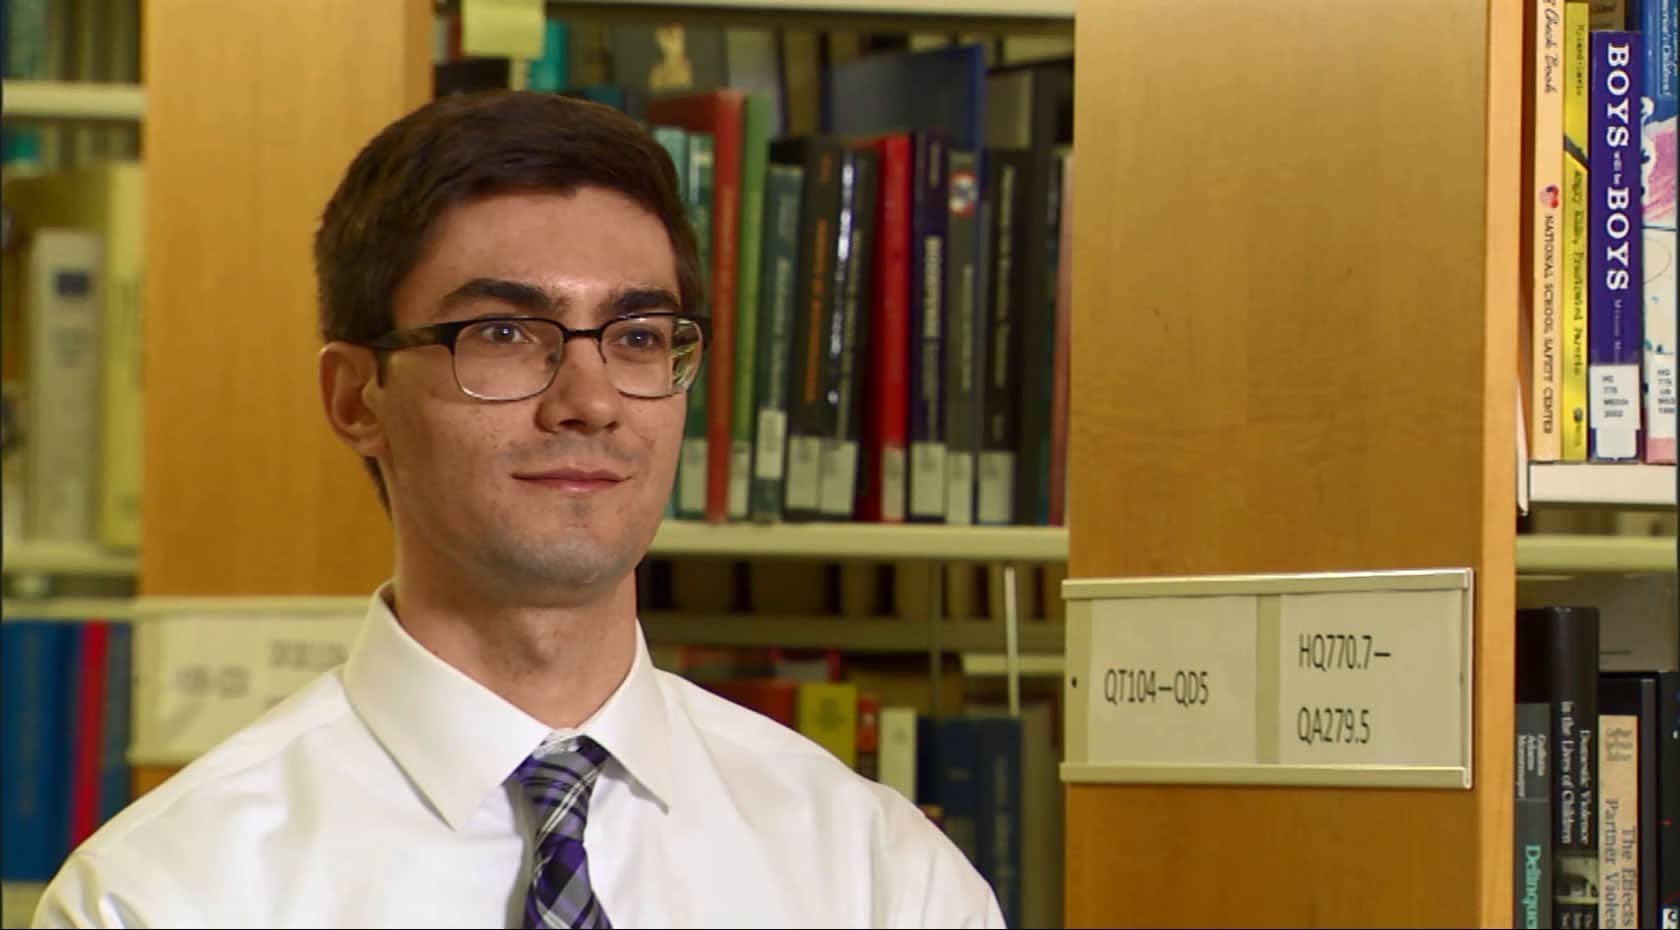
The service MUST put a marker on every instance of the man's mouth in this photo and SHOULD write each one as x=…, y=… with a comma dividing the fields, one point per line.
x=574, y=480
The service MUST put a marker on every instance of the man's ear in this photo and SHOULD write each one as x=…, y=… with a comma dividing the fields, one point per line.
x=351, y=394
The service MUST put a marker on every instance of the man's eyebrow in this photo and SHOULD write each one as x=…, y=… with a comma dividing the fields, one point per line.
x=641, y=300
x=525, y=296
x=533, y=299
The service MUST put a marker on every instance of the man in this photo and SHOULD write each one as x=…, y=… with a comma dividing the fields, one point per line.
x=509, y=301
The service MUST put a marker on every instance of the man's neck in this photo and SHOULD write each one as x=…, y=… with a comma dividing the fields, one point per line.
x=557, y=663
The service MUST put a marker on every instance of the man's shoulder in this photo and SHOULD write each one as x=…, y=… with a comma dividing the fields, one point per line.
x=194, y=815
x=718, y=718
x=220, y=775
x=795, y=784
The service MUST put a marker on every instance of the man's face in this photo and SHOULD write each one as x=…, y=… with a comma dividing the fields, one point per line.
x=559, y=493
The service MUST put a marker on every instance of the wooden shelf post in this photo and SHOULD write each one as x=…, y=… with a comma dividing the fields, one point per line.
x=1295, y=308
x=254, y=110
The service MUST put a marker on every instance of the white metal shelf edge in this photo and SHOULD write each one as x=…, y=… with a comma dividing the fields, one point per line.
x=73, y=100
x=1601, y=483
x=1011, y=9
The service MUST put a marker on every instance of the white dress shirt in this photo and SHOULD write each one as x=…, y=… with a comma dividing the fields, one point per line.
x=378, y=796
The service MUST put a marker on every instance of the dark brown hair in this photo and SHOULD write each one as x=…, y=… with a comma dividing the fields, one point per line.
x=462, y=147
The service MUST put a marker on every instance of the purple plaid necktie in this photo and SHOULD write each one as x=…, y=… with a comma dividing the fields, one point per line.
x=557, y=779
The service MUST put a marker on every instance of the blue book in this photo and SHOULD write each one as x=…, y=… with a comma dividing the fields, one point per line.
x=1615, y=305
x=34, y=748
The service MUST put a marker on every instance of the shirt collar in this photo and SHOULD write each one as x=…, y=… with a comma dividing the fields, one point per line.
x=458, y=741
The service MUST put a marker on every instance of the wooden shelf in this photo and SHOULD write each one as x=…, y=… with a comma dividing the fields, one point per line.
x=848, y=634
x=73, y=100
x=1540, y=554
x=1020, y=16
x=1535, y=553
x=29, y=557
x=1601, y=484
x=875, y=541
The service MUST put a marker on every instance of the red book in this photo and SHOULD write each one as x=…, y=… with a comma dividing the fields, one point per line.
x=885, y=433
x=87, y=724
x=718, y=112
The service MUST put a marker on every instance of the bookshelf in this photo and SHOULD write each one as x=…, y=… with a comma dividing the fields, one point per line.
x=73, y=100
x=1216, y=369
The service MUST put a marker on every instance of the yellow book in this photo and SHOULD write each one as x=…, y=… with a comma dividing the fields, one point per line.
x=1573, y=348
x=828, y=715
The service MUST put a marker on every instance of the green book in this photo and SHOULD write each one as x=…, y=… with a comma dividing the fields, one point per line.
x=755, y=158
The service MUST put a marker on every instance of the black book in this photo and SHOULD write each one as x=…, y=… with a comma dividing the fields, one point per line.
x=1557, y=663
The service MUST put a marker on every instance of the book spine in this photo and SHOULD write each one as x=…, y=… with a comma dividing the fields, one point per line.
x=692, y=476
x=1568, y=640
x=1531, y=883
x=1061, y=298
x=1668, y=813
x=34, y=769
x=962, y=359
x=927, y=332
x=1618, y=818
x=755, y=154
x=1656, y=21
x=849, y=335
x=807, y=412
x=84, y=678
x=1573, y=391
x=61, y=428
x=115, y=790
x=1545, y=202
x=726, y=240
x=1000, y=438
x=1614, y=236
x=881, y=491
x=775, y=338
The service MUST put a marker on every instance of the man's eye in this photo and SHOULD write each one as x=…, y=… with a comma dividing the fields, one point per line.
x=642, y=338
x=504, y=333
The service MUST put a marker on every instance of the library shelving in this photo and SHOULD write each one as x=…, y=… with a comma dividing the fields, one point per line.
x=73, y=100
x=1011, y=16
x=876, y=541
x=1535, y=553
x=1601, y=484
x=36, y=557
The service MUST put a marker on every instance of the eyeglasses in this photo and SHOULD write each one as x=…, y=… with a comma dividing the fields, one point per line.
x=514, y=357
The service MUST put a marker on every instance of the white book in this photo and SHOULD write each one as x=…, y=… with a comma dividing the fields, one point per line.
x=61, y=425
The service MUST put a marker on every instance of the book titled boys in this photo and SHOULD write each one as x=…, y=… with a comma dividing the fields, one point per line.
x=1615, y=308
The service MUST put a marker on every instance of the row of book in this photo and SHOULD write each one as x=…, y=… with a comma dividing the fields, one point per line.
x=65, y=704
x=888, y=294
x=1599, y=219
x=1597, y=780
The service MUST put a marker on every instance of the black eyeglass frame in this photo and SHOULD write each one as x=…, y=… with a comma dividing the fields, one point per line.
x=446, y=334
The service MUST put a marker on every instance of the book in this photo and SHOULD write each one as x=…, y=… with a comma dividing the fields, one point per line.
x=1557, y=663
x=1544, y=202
x=1659, y=126
x=1572, y=389
x=1614, y=237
